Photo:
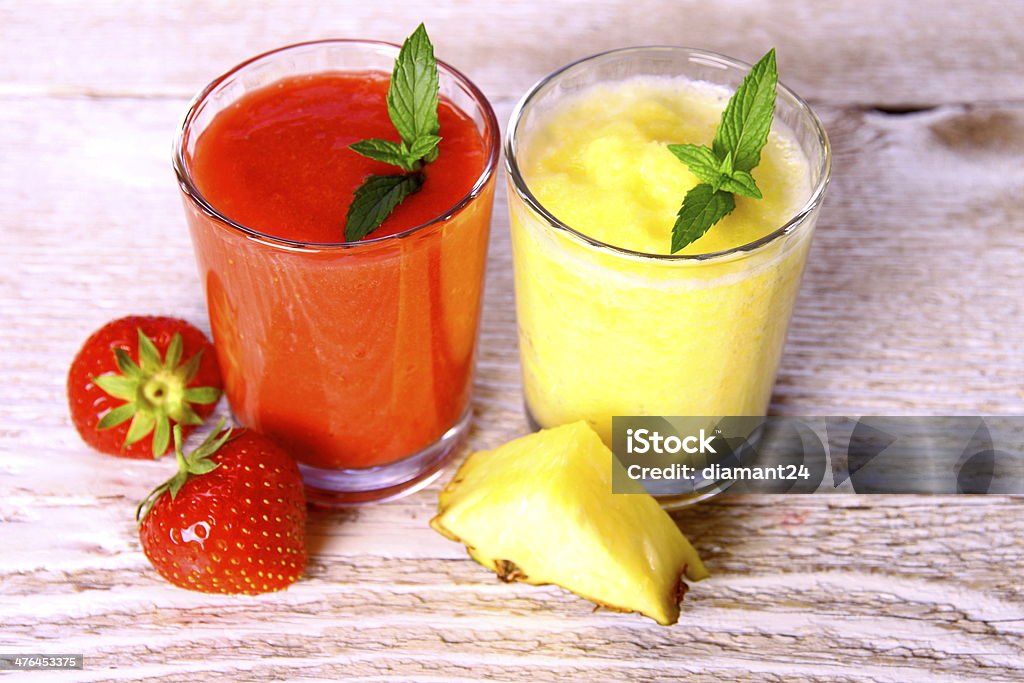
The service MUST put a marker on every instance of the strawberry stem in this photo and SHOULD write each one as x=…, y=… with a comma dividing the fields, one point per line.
x=195, y=463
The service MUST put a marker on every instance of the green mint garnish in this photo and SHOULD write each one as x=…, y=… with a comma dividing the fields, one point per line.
x=412, y=95
x=375, y=199
x=724, y=168
x=412, y=108
x=703, y=207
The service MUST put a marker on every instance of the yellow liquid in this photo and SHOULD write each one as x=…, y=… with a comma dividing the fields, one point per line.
x=604, y=333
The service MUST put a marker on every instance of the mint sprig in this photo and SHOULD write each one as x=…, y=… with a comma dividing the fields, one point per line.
x=724, y=168
x=412, y=107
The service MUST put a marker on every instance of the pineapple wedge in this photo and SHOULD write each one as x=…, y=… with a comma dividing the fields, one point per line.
x=540, y=509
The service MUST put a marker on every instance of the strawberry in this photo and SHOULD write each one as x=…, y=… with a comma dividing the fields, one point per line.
x=153, y=371
x=231, y=520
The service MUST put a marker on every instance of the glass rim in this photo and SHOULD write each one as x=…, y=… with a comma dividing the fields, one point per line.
x=519, y=184
x=191, y=191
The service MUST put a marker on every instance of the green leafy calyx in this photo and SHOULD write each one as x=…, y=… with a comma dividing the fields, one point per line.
x=156, y=391
x=197, y=463
x=412, y=107
x=724, y=168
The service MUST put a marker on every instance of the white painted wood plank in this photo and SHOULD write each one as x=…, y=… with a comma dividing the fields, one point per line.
x=859, y=52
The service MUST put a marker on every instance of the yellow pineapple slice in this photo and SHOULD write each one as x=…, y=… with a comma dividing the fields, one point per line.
x=540, y=509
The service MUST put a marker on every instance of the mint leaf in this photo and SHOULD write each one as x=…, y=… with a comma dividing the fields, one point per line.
x=413, y=92
x=396, y=154
x=748, y=116
x=374, y=201
x=740, y=182
x=412, y=99
x=703, y=207
x=425, y=148
x=695, y=155
x=724, y=168
x=720, y=175
x=701, y=161
x=399, y=154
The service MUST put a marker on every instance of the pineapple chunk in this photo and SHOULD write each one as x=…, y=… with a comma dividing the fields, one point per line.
x=540, y=509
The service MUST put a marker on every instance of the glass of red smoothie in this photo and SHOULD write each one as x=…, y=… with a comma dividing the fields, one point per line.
x=356, y=357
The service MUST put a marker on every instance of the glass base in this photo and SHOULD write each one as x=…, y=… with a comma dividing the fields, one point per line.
x=667, y=502
x=678, y=502
x=344, y=488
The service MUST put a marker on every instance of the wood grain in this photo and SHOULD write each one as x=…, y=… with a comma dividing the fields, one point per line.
x=910, y=305
x=855, y=52
x=883, y=589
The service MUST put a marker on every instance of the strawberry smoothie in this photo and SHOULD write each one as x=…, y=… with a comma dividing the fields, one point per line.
x=352, y=356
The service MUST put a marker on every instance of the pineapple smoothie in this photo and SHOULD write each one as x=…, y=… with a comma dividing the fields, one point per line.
x=609, y=322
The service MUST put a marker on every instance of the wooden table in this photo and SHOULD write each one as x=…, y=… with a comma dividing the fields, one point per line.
x=911, y=305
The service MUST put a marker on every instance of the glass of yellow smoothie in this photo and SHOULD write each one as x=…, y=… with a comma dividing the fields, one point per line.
x=610, y=322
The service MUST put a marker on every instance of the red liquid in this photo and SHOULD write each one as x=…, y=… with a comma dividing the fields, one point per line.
x=278, y=160
x=347, y=357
